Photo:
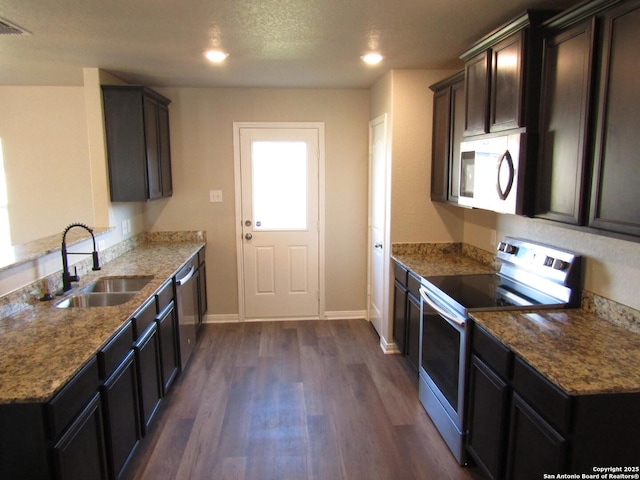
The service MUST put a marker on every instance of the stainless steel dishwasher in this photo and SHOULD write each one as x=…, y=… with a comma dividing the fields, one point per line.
x=187, y=305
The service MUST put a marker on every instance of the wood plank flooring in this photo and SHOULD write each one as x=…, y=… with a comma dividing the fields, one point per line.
x=294, y=400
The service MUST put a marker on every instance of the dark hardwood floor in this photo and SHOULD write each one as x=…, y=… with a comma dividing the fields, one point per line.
x=294, y=400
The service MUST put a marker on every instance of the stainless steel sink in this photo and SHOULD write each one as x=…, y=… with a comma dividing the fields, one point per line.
x=117, y=284
x=102, y=299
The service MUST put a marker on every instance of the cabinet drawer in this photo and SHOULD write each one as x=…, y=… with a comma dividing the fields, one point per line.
x=113, y=353
x=164, y=296
x=493, y=352
x=400, y=273
x=70, y=400
x=144, y=317
x=546, y=398
x=414, y=283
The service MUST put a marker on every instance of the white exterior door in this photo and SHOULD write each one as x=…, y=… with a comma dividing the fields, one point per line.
x=377, y=222
x=279, y=221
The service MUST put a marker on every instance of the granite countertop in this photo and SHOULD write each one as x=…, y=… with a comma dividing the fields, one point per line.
x=436, y=262
x=578, y=351
x=42, y=347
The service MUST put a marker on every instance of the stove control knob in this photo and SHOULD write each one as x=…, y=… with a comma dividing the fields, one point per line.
x=548, y=261
x=502, y=246
x=560, y=265
x=511, y=249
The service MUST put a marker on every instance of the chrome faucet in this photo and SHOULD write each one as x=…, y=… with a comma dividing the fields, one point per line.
x=67, y=278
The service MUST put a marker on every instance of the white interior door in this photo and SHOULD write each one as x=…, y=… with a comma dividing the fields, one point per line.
x=279, y=170
x=377, y=222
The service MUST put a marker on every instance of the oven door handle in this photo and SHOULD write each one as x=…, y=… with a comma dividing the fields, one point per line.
x=441, y=311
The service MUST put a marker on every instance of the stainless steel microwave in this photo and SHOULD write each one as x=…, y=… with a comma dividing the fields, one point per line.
x=491, y=173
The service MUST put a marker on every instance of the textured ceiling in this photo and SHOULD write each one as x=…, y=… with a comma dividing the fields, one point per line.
x=272, y=43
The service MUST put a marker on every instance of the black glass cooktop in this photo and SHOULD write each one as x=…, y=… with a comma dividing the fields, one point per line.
x=485, y=291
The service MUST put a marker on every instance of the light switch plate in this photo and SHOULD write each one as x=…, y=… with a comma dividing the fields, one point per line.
x=215, y=196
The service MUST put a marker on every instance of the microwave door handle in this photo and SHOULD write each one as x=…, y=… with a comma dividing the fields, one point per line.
x=506, y=156
x=442, y=312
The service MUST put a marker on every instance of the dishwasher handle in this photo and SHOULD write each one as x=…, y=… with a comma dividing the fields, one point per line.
x=441, y=311
x=187, y=277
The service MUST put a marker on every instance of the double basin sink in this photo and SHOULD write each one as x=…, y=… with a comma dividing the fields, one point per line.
x=105, y=292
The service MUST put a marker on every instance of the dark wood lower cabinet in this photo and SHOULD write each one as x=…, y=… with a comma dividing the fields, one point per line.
x=399, y=315
x=413, y=334
x=149, y=379
x=535, y=447
x=546, y=430
x=80, y=454
x=122, y=415
x=169, y=356
x=487, y=418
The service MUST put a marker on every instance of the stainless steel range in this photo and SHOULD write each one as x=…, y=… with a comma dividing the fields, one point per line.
x=531, y=275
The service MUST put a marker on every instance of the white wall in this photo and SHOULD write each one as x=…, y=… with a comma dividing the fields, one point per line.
x=405, y=96
x=202, y=159
x=43, y=131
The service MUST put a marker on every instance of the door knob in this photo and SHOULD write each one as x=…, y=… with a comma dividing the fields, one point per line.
x=248, y=236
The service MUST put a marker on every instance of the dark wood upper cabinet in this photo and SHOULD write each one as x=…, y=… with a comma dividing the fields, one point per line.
x=587, y=164
x=137, y=130
x=506, y=88
x=615, y=197
x=448, y=125
x=477, y=82
x=502, y=83
x=564, y=122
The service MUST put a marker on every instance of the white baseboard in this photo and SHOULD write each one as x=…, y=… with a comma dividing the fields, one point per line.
x=389, y=347
x=221, y=318
x=346, y=315
x=337, y=315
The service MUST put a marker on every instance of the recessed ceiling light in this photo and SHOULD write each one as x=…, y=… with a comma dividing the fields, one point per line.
x=216, y=56
x=372, y=58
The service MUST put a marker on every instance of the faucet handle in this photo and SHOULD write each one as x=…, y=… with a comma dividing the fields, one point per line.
x=75, y=277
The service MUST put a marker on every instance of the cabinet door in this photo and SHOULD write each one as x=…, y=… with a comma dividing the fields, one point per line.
x=564, y=117
x=535, y=448
x=476, y=74
x=413, y=331
x=149, y=378
x=457, y=132
x=400, y=315
x=80, y=453
x=615, y=200
x=487, y=418
x=164, y=150
x=440, y=145
x=506, y=83
x=169, y=359
x=124, y=126
x=154, y=182
x=122, y=415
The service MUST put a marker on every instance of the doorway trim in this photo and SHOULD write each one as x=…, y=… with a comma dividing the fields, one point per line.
x=387, y=343
x=237, y=126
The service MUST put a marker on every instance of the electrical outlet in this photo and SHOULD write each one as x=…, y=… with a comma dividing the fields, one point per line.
x=215, y=196
x=494, y=241
x=101, y=245
x=123, y=227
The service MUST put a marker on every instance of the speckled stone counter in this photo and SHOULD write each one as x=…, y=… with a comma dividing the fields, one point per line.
x=579, y=352
x=42, y=347
x=441, y=259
